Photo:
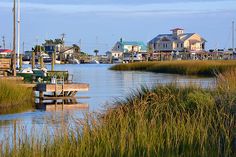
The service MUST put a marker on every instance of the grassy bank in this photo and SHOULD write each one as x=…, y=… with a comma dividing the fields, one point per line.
x=14, y=98
x=205, y=68
x=167, y=120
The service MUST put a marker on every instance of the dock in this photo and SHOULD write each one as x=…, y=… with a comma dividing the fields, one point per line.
x=60, y=94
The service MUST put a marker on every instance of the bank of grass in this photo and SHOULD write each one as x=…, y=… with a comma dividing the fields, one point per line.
x=168, y=120
x=14, y=98
x=203, y=68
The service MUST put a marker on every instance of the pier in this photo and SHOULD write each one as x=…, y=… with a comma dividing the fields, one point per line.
x=59, y=94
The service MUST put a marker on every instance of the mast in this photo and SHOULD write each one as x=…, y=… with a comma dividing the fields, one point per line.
x=18, y=33
x=233, y=36
x=14, y=40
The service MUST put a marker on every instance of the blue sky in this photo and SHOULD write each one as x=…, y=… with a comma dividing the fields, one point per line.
x=98, y=24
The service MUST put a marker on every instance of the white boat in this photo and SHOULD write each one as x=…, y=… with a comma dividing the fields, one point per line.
x=74, y=61
x=94, y=62
x=26, y=71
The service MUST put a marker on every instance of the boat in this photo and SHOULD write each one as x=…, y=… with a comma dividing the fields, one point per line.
x=30, y=74
x=46, y=58
x=74, y=61
x=94, y=62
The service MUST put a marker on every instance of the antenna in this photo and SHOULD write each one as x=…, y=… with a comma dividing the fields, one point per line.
x=3, y=42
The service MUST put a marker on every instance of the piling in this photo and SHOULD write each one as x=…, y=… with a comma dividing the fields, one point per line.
x=21, y=56
x=53, y=61
x=41, y=62
x=33, y=60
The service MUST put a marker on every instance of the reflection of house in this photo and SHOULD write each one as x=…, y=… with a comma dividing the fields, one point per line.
x=125, y=50
x=177, y=41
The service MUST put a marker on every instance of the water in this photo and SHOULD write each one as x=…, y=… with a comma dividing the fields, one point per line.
x=105, y=87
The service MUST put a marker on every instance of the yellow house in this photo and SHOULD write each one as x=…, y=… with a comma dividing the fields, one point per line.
x=177, y=41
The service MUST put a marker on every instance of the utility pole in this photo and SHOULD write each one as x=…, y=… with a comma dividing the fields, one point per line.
x=18, y=34
x=14, y=40
x=3, y=42
x=63, y=36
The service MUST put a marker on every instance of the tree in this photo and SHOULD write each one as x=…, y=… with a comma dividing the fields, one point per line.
x=38, y=48
x=96, y=51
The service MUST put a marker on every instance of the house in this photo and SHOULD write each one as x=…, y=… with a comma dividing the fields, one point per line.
x=129, y=50
x=5, y=53
x=178, y=41
x=51, y=48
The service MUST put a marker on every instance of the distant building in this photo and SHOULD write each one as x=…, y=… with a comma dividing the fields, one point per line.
x=51, y=48
x=177, y=41
x=125, y=49
x=5, y=53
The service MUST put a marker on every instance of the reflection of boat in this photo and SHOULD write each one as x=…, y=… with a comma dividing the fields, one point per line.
x=74, y=61
x=94, y=62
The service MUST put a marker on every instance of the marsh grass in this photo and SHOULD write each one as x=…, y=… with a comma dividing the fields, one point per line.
x=167, y=120
x=14, y=98
x=204, y=68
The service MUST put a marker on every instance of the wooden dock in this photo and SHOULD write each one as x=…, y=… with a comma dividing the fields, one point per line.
x=64, y=94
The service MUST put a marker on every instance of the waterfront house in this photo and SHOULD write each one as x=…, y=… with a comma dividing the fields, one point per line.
x=177, y=41
x=129, y=50
x=5, y=53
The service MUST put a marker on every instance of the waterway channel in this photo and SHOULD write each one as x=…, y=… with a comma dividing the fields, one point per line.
x=106, y=86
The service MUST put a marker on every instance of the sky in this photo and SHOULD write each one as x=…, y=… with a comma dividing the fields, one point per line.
x=99, y=24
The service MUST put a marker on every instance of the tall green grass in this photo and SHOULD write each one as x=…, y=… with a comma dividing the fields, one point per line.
x=207, y=68
x=167, y=120
x=14, y=98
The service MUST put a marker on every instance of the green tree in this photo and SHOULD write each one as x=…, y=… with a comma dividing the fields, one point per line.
x=96, y=51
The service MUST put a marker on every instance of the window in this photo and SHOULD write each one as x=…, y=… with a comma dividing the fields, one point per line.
x=177, y=45
x=181, y=45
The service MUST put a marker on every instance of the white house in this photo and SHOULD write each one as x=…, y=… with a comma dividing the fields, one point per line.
x=128, y=50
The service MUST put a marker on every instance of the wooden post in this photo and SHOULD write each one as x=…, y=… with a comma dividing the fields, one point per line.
x=13, y=57
x=33, y=60
x=53, y=61
x=21, y=61
x=41, y=62
x=41, y=98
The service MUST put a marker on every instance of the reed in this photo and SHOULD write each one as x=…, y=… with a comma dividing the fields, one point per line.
x=14, y=98
x=167, y=120
x=205, y=68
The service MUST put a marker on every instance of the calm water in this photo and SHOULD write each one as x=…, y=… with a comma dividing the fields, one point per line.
x=105, y=86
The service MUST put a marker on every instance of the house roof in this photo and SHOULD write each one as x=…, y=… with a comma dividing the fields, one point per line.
x=175, y=29
x=5, y=51
x=134, y=43
x=172, y=38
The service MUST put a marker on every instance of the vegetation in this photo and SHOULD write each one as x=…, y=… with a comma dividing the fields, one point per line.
x=96, y=52
x=14, y=98
x=167, y=120
x=205, y=68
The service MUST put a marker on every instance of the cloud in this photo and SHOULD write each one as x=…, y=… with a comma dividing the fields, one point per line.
x=174, y=8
